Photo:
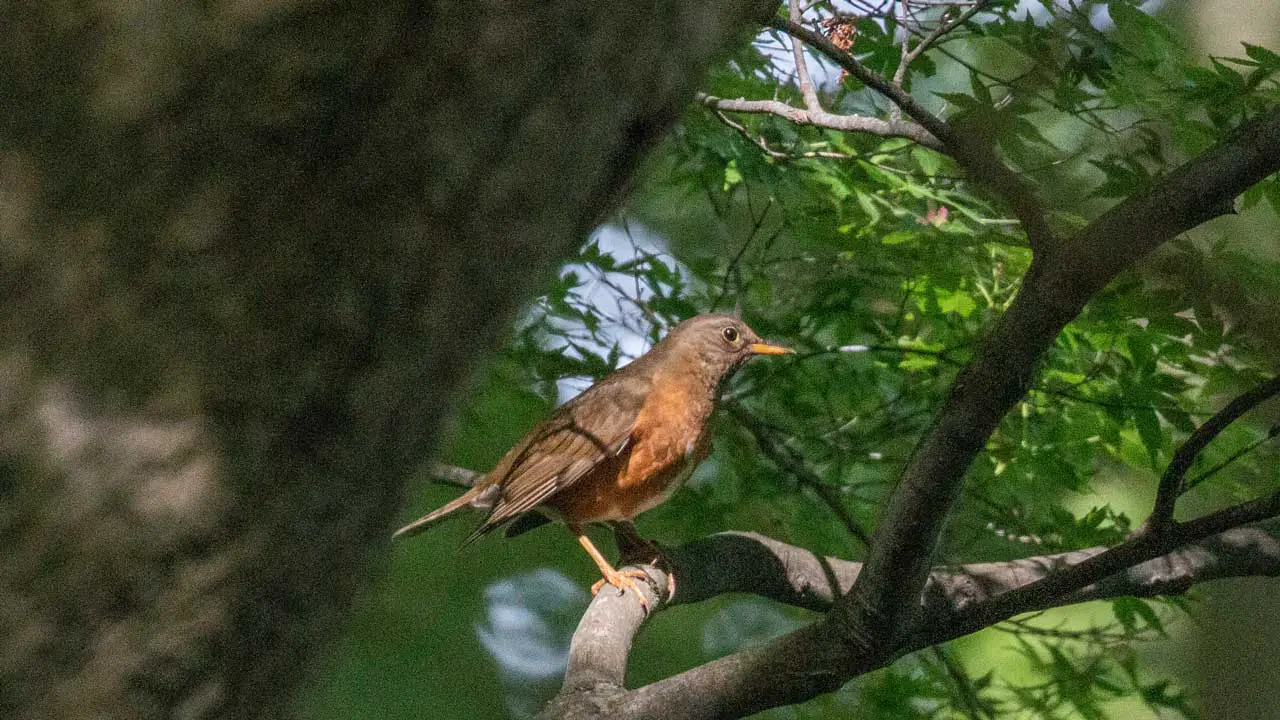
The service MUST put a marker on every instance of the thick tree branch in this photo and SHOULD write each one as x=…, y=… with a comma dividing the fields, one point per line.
x=1062, y=585
x=800, y=664
x=1054, y=290
x=1196, y=192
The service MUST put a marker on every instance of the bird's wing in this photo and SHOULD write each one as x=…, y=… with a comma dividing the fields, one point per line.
x=593, y=428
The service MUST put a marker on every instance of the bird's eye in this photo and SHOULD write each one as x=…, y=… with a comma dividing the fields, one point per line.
x=730, y=334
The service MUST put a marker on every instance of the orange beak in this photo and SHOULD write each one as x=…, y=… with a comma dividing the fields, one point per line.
x=767, y=349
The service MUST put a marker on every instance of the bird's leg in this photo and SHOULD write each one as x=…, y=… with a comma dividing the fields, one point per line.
x=620, y=579
x=633, y=548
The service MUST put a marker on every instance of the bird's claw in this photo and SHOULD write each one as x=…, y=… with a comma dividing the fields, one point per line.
x=639, y=551
x=651, y=553
x=621, y=579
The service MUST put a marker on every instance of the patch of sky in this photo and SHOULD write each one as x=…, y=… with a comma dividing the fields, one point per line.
x=529, y=620
x=617, y=297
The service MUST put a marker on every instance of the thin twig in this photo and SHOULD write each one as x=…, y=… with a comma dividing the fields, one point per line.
x=854, y=67
x=944, y=27
x=735, y=262
x=786, y=461
x=832, y=121
x=1172, y=481
x=942, y=356
x=975, y=155
x=900, y=74
x=802, y=66
x=1193, y=482
x=761, y=143
x=1112, y=404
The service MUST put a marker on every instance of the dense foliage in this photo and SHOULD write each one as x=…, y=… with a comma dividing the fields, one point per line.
x=883, y=263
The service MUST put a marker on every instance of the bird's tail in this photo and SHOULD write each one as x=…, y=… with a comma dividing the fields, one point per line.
x=470, y=498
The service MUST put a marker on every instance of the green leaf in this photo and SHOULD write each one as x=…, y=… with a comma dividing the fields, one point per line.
x=731, y=175
x=913, y=362
x=1148, y=614
x=1128, y=610
x=898, y=237
x=1264, y=57
x=930, y=162
x=960, y=303
x=1140, y=350
x=1148, y=426
x=1141, y=34
x=867, y=202
x=980, y=91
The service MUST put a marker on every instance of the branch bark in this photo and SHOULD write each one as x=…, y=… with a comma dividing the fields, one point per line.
x=821, y=118
x=810, y=659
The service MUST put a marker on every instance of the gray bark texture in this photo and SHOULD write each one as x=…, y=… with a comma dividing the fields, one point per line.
x=248, y=253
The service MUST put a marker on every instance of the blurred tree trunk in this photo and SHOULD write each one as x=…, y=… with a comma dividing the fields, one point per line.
x=1219, y=28
x=248, y=252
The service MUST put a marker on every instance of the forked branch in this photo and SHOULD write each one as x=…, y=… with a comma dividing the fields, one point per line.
x=888, y=610
x=975, y=154
x=808, y=661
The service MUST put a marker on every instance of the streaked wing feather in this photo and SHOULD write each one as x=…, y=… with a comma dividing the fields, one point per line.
x=559, y=452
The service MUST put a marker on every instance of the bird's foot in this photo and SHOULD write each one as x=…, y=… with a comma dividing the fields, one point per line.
x=635, y=550
x=621, y=579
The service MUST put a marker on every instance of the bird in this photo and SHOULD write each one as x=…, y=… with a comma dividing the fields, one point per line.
x=619, y=448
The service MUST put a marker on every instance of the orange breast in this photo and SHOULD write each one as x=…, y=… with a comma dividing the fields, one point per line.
x=668, y=441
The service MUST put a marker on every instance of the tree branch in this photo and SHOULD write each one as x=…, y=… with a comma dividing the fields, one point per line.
x=1063, y=586
x=760, y=142
x=1200, y=190
x=821, y=118
x=807, y=92
x=975, y=154
x=1172, y=481
x=1053, y=292
x=934, y=124
x=792, y=666
x=904, y=60
x=945, y=26
x=1272, y=433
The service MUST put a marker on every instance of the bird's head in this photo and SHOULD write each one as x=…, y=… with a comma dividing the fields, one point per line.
x=718, y=344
